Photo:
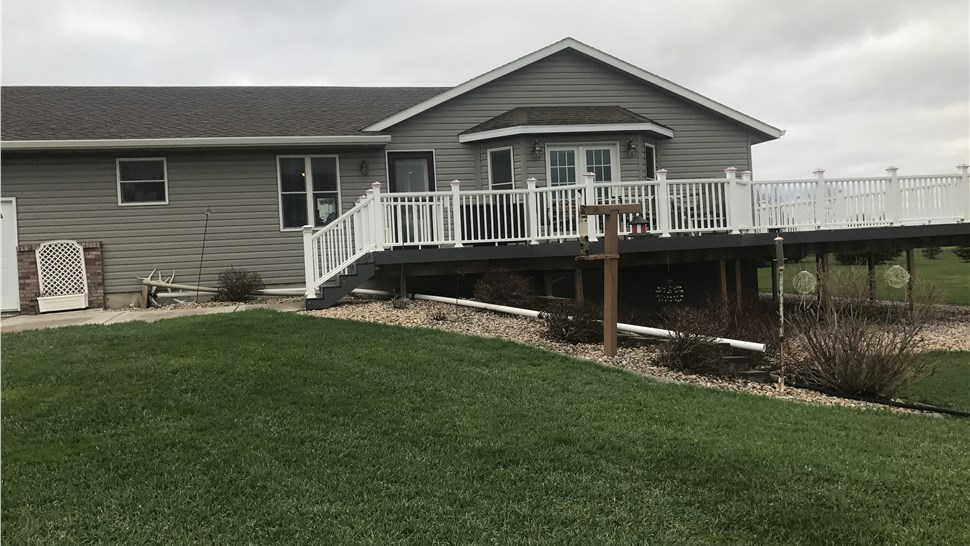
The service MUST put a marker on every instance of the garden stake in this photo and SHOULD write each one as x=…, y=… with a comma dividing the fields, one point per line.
x=780, y=265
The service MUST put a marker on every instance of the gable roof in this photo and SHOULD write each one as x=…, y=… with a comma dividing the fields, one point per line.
x=575, y=45
x=197, y=115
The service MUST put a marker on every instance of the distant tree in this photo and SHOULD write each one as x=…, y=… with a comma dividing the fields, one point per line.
x=963, y=252
x=931, y=252
x=855, y=258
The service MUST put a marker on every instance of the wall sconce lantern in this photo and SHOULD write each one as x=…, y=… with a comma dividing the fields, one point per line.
x=631, y=148
x=639, y=227
x=363, y=168
x=536, y=150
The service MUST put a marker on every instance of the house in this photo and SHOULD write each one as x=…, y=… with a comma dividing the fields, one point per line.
x=145, y=176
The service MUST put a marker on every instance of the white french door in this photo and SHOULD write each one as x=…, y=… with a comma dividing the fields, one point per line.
x=565, y=165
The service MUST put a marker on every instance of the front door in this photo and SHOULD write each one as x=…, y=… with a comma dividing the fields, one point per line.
x=413, y=218
x=9, y=284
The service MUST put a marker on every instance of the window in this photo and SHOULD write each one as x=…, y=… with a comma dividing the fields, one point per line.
x=142, y=181
x=500, y=169
x=651, y=158
x=309, y=188
x=567, y=164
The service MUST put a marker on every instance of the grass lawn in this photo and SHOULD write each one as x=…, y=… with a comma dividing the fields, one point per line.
x=947, y=272
x=949, y=383
x=262, y=428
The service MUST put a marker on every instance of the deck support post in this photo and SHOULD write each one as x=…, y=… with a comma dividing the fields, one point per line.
x=724, y=280
x=532, y=211
x=821, y=196
x=737, y=280
x=911, y=283
x=456, y=213
x=377, y=222
x=547, y=283
x=663, y=203
x=403, y=287
x=579, y=292
x=963, y=200
x=892, y=196
x=871, y=278
x=308, y=261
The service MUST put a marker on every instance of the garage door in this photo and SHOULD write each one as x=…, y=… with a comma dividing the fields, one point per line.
x=9, y=286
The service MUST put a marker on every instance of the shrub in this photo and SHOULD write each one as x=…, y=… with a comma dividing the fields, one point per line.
x=504, y=288
x=238, y=285
x=692, y=346
x=931, y=252
x=963, y=252
x=400, y=303
x=859, y=347
x=437, y=314
x=572, y=322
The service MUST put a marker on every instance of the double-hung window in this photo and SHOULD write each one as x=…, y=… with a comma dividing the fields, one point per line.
x=309, y=188
x=500, y=169
x=567, y=164
x=142, y=181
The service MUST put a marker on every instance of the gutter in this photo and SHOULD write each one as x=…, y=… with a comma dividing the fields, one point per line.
x=203, y=142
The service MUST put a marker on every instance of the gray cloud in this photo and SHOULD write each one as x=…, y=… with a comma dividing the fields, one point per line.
x=858, y=84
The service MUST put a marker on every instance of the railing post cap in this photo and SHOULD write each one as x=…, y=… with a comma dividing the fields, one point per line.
x=376, y=184
x=455, y=183
x=963, y=167
x=892, y=168
x=731, y=169
x=661, y=171
x=308, y=229
x=818, y=171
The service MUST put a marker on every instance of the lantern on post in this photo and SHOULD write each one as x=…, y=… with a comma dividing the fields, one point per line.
x=639, y=227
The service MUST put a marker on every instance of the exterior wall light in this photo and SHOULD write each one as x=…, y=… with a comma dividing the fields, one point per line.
x=536, y=150
x=363, y=168
x=631, y=148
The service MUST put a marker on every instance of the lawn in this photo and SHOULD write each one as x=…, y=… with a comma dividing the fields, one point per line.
x=262, y=428
x=948, y=384
x=947, y=273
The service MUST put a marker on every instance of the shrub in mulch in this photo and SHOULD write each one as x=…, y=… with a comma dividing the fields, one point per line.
x=238, y=285
x=505, y=288
x=571, y=322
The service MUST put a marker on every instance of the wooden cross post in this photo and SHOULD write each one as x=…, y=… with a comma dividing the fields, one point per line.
x=611, y=259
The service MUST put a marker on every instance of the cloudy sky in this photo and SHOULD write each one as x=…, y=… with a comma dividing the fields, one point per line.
x=858, y=84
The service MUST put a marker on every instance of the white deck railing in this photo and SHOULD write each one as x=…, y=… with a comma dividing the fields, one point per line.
x=533, y=215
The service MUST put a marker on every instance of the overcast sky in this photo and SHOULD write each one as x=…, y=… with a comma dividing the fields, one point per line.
x=858, y=84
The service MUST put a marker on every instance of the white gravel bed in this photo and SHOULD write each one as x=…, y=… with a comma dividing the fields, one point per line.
x=950, y=332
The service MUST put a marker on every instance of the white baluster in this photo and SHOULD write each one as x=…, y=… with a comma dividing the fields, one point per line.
x=663, y=203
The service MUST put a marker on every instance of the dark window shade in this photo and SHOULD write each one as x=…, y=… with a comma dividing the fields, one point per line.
x=292, y=174
x=294, y=210
x=143, y=192
x=324, y=173
x=133, y=170
x=500, y=163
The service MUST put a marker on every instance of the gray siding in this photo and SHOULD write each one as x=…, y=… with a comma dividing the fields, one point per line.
x=75, y=197
x=704, y=143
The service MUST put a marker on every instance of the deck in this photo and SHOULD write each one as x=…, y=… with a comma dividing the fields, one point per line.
x=703, y=216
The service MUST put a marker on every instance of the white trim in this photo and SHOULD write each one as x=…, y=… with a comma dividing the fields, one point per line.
x=570, y=43
x=118, y=161
x=387, y=166
x=212, y=142
x=308, y=188
x=581, y=168
x=488, y=158
x=577, y=128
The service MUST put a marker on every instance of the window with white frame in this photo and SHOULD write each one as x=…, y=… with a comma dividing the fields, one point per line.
x=566, y=164
x=651, y=158
x=500, y=169
x=309, y=187
x=142, y=181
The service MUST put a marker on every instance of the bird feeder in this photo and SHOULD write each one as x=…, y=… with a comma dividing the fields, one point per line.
x=639, y=227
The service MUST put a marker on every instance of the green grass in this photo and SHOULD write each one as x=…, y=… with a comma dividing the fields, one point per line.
x=264, y=428
x=947, y=272
x=948, y=384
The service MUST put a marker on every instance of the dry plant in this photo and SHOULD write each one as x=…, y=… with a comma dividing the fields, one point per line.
x=857, y=346
x=572, y=322
x=238, y=285
x=504, y=288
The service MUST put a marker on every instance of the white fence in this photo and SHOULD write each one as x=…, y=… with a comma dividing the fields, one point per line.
x=533, y=215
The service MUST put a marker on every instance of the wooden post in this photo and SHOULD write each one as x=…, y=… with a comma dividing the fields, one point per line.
x=611, y=265
x=737, y=280
x=911, y=284
x=403, y=290
x=547, y=283
x=871, y=280
x=145, y=290
x=579, y=295
x=724, y=283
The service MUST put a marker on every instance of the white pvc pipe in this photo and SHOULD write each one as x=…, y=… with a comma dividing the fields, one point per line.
x=204, y=289
x=630, y=328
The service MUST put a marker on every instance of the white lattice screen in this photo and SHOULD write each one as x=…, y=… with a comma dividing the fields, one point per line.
x=60, y=268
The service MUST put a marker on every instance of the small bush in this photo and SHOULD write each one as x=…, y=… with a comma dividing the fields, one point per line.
x=400, y=303
x=692, y=346
x=856, y=346
x=963, y=252
x=438, y=314
x=238, y=285
x=504, y=288
x=931, y=253
x=572, y=322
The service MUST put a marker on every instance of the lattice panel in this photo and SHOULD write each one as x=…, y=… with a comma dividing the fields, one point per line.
x=60, y=267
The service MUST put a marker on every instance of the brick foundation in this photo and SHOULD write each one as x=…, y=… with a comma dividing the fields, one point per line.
x=30, y=282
